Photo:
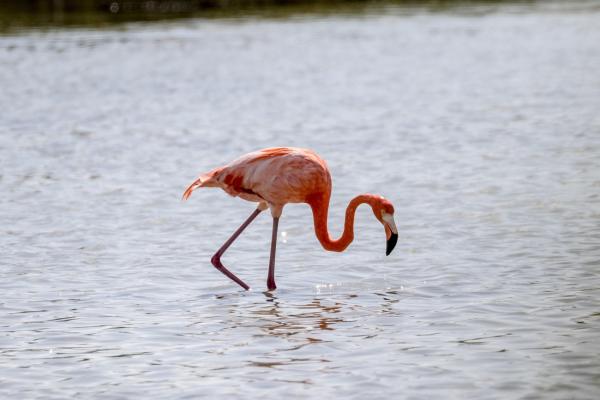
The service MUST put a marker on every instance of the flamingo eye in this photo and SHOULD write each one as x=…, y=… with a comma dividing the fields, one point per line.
x=387, y=207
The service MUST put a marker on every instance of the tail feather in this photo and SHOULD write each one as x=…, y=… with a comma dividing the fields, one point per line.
x=188, y=192
x=206, y=180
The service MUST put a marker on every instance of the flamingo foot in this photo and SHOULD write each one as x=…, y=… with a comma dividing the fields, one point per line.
x=216, y=258
x=216, y=261
x=271, y=285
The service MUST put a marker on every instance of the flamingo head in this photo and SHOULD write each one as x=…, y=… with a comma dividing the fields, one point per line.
x=384, y=212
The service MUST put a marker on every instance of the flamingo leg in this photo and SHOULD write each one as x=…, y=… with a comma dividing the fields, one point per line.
x=271, y=279
x=216, y=258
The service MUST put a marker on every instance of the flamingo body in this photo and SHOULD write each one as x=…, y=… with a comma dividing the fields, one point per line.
x=276, y=176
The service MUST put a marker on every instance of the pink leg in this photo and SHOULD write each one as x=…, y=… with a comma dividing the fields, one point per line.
x=216, y=259
x=271, y=279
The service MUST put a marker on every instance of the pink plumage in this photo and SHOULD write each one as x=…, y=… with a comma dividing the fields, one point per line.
x=276, y=176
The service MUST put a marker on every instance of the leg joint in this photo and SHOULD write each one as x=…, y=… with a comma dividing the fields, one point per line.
x=216, y=260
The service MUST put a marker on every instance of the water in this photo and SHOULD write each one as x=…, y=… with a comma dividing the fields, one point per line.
x=480, y=124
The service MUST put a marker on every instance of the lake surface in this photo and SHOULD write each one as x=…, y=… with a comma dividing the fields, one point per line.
x=481, y=124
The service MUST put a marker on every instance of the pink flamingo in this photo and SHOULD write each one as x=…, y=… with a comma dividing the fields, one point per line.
x=276, y=176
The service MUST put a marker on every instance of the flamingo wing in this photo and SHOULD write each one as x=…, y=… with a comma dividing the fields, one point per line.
x=277, y=175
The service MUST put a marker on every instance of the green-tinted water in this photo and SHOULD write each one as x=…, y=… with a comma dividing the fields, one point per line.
x=96, y=13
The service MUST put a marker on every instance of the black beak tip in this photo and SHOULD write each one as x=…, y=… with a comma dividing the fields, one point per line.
x=391, y=243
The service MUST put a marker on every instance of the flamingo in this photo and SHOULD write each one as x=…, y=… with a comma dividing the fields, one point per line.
x=276, y=176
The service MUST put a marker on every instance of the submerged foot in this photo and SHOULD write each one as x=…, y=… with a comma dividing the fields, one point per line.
x=216, y=262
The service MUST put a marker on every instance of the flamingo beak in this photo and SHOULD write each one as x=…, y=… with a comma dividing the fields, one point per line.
x=391, y=233
x=391, y=243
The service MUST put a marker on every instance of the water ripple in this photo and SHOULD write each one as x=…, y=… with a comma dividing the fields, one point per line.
x=483, y=130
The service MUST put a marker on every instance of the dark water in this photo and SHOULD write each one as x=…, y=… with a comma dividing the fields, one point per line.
x=482, y=127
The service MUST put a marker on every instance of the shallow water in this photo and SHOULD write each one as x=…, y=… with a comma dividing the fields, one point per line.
x=481, y=125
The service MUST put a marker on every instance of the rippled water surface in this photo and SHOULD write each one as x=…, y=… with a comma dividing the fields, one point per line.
x=481, y=125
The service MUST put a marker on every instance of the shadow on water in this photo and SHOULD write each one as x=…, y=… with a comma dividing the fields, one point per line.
x=285, y=317
x=314, y=315
x=16, y=15
x=285, y=329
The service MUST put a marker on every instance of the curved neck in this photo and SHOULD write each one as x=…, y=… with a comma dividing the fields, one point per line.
x=320, y=208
